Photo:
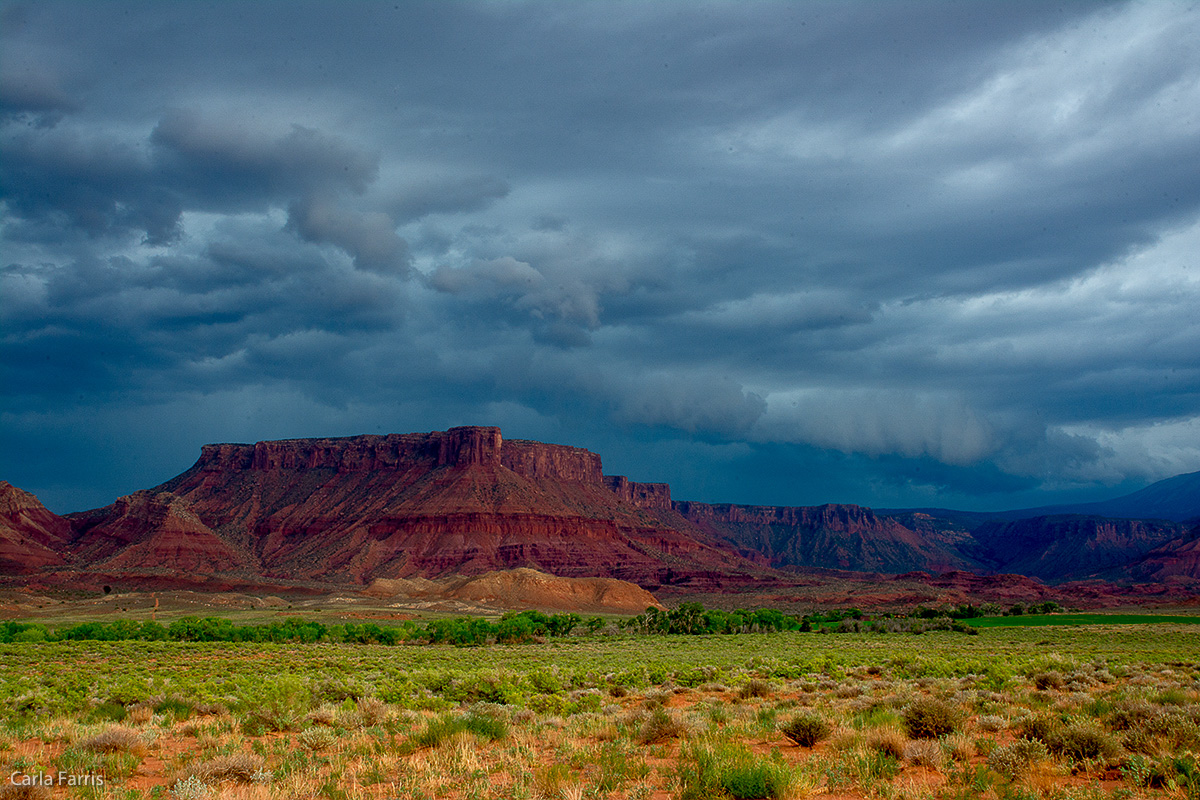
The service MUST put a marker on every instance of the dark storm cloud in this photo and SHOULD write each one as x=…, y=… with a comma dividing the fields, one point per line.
x=369, y=237
x=918, y=253
x=221, y=164
x=449, y=196
x=67, y=179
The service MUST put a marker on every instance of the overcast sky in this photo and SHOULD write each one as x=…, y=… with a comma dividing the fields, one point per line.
x=891, y=253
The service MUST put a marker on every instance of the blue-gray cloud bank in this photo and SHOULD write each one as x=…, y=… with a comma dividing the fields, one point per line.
x=888, y=253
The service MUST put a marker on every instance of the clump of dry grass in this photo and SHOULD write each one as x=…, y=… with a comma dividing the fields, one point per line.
x=755, y=687
x=886, y=740
x=372, y=711
x=960, y=747
x=326, y=715
x=140, y=715
x=116, y=740
x=1014, y=760
x=1048, y=680
x=1082, y=741
x=849, y=689
x=237, y=768
x=12, y=791
x=924, y=753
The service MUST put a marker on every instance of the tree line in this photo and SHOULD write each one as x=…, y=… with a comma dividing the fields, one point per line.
x=516, y=627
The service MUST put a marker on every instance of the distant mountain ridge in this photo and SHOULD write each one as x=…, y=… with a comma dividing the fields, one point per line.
x=1176, y=499
x=350, y=511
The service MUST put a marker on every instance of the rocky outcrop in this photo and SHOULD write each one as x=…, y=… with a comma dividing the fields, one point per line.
x=31, y=537
x=830, y=536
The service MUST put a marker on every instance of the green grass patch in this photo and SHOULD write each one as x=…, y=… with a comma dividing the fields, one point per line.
x=1034, y=620
x=281, y=682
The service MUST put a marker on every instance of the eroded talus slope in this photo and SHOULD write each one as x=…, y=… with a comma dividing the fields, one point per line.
x=31, y=536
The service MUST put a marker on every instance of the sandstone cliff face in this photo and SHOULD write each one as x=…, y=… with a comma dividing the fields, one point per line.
x=458, y=447
x=829, y=536
x=538, y=461
x=642, y=495
x=31, y=536
x=1064, y=547
x=1177, y=559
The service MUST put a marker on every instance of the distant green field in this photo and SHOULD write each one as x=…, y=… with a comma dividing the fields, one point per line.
x=1080, y=619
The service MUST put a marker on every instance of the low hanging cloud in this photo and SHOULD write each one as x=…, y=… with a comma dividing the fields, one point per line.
x=875, y=423
x=693, y=403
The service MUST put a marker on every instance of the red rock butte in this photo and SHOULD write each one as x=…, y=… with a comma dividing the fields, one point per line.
x=463, y=501
x=318, y=514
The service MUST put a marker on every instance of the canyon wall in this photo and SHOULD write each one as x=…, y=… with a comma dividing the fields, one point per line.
x=642, y=495
x=458, y=447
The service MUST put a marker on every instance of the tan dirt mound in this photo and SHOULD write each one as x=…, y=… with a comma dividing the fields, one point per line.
x=528, y=588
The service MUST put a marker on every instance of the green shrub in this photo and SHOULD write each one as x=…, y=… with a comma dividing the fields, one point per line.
x=269, y=720
x=108, y=711
x=1051, y=679
x=732, y=771
x=545, y=682
x=928, y=718
x=806, y=729
x=1081, y=741
x=433, y=734
x=1042, y=728
x=485, y=726
x=175, y=707
x=436, y=731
